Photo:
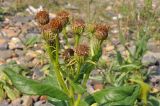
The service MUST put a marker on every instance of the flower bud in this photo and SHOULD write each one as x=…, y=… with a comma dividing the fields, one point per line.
x=82, y=50
x=64, y=17
x=78, y=26
x=101, y=31
x=42, y=17
x=53, y=26
x=68, y=53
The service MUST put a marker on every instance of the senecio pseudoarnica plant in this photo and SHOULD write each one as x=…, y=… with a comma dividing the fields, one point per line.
x=79, y=59
x=65, y=85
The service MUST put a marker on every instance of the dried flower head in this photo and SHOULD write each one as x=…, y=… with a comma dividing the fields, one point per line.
x=78, y=26
x=54, y=26
x=68, y=53
x=42, y=17
x=63, y=14
x=101, y=31
x=48, y=35
x=64, y=17
x=82, y=50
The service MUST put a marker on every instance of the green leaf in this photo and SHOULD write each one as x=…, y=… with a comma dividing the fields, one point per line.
x=11, y=93
x=124, y=95
x=31, y=41
x=83, y=103
x=119, y=58
x=145, y=88
x=50, y=80
x=129, y=67
x=153, y=101
x=31, y=87
x=77, y=87
x=2, y=94
x=57, y=102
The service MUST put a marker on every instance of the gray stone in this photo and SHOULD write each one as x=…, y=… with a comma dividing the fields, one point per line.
x=148, y=59
x=4, y=103
x=16, y=102
x=41, y=103
x=3, y=46
x=153, y=46
x=19, y=52
x=3, y=43
x=37, y=74
x=15, y=43
x=22, y=19
x=5, y=54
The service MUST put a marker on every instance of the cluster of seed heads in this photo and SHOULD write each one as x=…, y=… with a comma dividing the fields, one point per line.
x=56, y=25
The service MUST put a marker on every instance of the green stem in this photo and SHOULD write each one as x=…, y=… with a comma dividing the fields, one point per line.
x=65, y=37
x=56, y=65
x=77, y=38
x=78, y=100
x=57, y=49
x=78, y=68
x=71, y=94
x=85, y=80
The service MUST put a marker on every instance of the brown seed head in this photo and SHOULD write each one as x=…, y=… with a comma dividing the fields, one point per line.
x=82, y=50
x=63, y=14
x=64, y=17
x=68, y=53
x=78, y=25
x=55, y=25
x=42, y=17
x=101, y=31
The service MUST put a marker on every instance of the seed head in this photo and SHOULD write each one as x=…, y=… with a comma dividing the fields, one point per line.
x=68, y=53
x=42, y=17
x=78, y=26
x=101, y=31
x=64, y=17
x=82, y=50
x=55, y=25
x=63, y=14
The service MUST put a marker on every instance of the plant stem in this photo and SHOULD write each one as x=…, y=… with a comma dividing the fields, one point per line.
x=65, y=37
x=56, y=65
x=57, y=49
x=78, y=100
x=77, y=37
x=85, y=80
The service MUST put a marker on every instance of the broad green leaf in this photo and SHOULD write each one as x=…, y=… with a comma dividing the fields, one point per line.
x=31, y=87
x=50, y=80
x=57, y=102
x=124, y=95
x=77, y=87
